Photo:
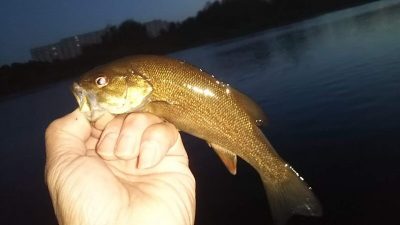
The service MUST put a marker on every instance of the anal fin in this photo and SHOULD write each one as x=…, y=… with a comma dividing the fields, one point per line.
x=228, y=158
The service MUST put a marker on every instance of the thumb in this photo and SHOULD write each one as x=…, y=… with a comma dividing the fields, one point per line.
x=66, y=136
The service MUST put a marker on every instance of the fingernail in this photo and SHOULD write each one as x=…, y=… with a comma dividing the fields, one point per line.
x=148, y=154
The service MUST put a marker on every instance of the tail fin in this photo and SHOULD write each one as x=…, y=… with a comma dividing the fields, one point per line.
x=292, y=196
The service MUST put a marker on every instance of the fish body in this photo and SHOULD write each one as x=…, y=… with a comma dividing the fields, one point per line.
x=197, y=103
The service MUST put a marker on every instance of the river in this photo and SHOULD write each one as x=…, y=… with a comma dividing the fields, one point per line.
x=331, y=88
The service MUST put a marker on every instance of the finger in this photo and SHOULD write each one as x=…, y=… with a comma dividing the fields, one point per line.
x=131, y=134
x=101, y=123
x=108, y=140
x=96, y=133
x=67, y=135
x=91, y=143
x=156, y=141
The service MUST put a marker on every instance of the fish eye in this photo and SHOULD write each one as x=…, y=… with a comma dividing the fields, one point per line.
x=101, y=81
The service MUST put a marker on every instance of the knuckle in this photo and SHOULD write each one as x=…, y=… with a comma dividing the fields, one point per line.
x=141, y=119
x=137, y=118
x=158, y=130
x=162, y=132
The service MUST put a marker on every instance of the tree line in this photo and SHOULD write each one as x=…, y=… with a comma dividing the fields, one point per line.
x=218, y=20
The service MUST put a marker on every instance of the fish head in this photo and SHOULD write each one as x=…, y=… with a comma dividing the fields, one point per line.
x=109, y=89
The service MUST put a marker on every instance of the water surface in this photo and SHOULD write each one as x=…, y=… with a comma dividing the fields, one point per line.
x=331, y=88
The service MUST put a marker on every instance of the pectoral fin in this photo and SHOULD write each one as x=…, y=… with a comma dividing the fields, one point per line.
x=228, y=158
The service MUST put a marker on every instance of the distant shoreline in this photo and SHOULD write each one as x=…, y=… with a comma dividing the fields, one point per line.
x=24, y=78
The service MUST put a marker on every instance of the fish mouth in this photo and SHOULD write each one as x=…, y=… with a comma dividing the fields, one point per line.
x=87, y=103
x=80, y=95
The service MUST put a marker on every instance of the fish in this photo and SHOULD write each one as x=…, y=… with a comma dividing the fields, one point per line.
x=199, y=104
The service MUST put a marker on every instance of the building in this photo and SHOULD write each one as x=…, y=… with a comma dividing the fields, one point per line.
x=66, y=48
x=155, y=27
x=46, y=53
x=71, y=47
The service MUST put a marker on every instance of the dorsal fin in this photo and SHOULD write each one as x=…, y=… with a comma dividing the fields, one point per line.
x=227, y=157
x=252, y=108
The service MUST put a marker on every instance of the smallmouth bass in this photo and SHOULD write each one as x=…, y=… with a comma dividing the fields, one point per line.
x=197, y=103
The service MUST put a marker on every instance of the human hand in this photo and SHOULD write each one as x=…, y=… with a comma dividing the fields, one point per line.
x=134, y=170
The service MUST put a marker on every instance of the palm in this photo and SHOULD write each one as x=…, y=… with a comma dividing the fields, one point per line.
x=117, y=192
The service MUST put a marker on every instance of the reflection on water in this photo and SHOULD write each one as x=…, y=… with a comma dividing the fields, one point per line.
x=331, y=90
x=331, y=87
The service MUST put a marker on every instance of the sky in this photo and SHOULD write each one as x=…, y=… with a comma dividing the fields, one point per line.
x=26, y=24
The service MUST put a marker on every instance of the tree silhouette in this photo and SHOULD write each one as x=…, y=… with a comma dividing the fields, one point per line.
x=218, y=20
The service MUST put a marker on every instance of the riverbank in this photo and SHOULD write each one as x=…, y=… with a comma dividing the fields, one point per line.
x=218, y=21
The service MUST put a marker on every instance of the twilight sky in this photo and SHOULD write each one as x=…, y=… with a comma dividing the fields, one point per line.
x=26, y=23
